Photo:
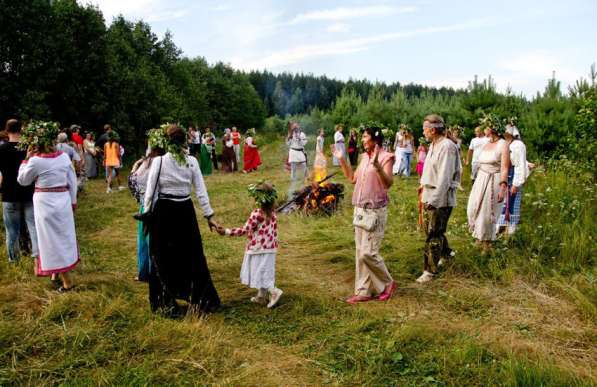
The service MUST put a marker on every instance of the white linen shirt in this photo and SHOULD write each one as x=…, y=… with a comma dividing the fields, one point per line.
x=476, y=145
x=297, y=141
x=518, y=158
x=441, y=174
x=176, y=180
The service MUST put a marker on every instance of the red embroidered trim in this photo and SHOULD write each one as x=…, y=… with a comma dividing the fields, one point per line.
x=45, y=273
x=49, y=155
x=51, y=189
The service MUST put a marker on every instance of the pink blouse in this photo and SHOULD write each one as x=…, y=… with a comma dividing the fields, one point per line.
x=369, y=190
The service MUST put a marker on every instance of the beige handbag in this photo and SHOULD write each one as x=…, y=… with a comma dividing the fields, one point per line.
x=365, y=218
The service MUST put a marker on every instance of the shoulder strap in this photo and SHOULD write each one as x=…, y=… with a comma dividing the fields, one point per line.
x=157, y=184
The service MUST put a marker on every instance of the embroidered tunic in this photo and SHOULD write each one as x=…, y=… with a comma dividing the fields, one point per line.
x=441, y=174
x=53, y=201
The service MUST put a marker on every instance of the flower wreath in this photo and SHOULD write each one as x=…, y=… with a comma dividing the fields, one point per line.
x=490, y=120
x=38, y=134
x=263, y=193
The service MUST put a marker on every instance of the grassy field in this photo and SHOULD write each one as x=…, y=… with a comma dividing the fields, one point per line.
x=524, y=316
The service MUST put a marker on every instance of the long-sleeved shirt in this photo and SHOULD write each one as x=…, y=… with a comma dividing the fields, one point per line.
x=518, y=158
x=297, y=143
x=441, y=174
x=262, y=233
x=49, y=170
x=177, y=180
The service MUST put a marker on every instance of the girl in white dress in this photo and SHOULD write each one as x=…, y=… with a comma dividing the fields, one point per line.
x=258, y=270
x=339, y=144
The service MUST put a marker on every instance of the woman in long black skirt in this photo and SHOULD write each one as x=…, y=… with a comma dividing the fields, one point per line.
x=178, y=268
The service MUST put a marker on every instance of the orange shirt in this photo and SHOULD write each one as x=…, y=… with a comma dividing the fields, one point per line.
x=112, y=154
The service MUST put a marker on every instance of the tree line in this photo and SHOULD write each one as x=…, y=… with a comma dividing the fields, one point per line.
x=59, y=61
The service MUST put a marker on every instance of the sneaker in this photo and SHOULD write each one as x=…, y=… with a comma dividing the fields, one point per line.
x=388, y=292
x=425, y=277
x=120, y=188
x=274, y=297
x=109, y=190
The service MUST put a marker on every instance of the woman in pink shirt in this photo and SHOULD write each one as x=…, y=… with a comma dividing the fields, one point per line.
x=372, y=180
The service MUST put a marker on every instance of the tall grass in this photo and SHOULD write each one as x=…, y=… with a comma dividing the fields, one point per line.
x=523, y=316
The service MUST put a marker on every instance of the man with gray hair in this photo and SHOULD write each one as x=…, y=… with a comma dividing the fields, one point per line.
x=63, y=146
x=439, y=182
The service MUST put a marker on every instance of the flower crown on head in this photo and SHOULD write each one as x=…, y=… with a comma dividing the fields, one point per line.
x=491, y=120
x=156, y=138
x=38, y=133
x=263, y=193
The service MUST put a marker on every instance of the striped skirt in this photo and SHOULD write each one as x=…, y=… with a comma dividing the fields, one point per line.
x=511, y=211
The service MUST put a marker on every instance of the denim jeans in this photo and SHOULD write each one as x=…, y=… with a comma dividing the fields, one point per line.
x=14, y=213
x=405, y=164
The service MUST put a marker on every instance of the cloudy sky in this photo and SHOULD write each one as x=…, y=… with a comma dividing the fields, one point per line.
x=433, y=42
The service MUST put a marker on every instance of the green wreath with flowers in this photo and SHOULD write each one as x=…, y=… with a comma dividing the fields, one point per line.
x=491, y=120
x=41, y=134
x=261, y=194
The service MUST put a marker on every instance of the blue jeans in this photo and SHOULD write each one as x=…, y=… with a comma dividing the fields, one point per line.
x=14, y=213
x=405, y=164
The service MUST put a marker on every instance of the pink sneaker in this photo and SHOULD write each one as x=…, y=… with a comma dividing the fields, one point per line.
x=388, y=292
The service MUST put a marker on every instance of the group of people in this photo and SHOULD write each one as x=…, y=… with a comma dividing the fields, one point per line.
x=40, y=185
x=202, y=145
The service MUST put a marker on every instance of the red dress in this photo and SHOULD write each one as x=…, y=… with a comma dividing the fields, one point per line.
x=251, y=158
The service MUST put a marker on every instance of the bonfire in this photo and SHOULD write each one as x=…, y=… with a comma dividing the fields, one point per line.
x=320, y=198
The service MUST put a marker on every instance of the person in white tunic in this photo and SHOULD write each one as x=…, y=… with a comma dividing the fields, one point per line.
x=474, y=150
x=339, y=144
x=54, y=202
x=488, y=192
x=297, y=158
x=398, y=148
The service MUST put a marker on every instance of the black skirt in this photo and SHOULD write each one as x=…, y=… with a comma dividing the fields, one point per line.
x=179, y=268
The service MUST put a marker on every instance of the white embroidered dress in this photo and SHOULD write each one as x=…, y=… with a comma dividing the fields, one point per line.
x=53, y=201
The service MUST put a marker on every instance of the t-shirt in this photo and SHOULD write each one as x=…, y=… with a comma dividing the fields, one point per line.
x=10, y=161
x=476, y=145
x=235, y=138
x=69, y=150
x=77, y=139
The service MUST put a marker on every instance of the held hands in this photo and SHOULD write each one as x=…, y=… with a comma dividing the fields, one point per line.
x=212, y=224
x=501, y=192
x=221, y=230
x=514, y=190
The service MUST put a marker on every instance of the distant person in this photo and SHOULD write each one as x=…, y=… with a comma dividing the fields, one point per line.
x=439, y=183
x=421, y=155
x=398, y=148
x=474, y=150
x=194, y=141
x=17, y=200
x=90, y=155
x=228, y=155
x=112, y=161
x=339, y=143
x=518, y=173
x=209, y=140
x=54, y=203
x=236, y=137
x=258, y=269
x=251, y=156
x=297, y=158
x=490, y=189
x=407, y=147
x=353, y=151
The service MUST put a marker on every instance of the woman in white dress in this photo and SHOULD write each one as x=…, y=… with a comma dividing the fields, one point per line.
x=54, y=203
x=339, y=144
x=488, y=192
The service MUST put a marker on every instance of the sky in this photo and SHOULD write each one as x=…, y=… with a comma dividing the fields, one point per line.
x=431, y=42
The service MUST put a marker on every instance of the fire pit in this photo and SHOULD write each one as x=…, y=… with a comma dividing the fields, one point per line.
x=320, y=198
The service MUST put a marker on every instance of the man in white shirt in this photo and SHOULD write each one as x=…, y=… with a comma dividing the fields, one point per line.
x=440, y=179
x=297, y=158
x=474, y=150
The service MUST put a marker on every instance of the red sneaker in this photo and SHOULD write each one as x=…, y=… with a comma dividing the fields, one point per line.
x=388, y=292
x=356, y=299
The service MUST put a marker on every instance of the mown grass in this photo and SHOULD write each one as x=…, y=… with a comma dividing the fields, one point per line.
x=524, y=316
